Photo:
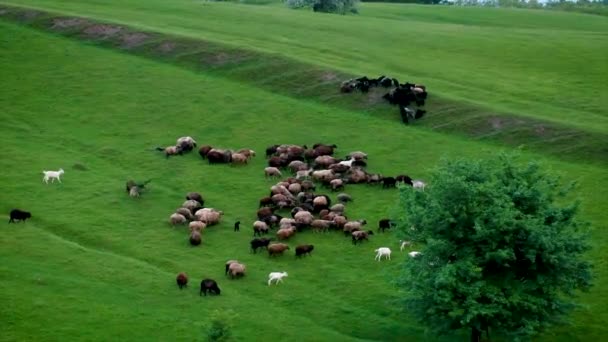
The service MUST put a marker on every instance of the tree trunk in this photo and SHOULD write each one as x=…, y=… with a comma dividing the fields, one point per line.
x=475, y=335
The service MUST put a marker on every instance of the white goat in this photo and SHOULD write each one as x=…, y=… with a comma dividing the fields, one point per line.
x=52, y=175
x=383, y=251
x=348, y=163
x=404, y=244
x=414, y=254
x=418, y=184
x=304, y=173
x=278, y=276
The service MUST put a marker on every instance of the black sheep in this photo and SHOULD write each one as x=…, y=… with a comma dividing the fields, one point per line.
x=19, y=215
x=259, y=242
x=389, y=182
x=182, y=280
x=385, y=224
x=209, y=285
x=303, y=250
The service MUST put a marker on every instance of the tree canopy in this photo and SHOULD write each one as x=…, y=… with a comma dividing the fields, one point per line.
x=501, y=248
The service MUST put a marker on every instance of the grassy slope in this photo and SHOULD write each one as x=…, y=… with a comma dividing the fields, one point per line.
x=517, y=61
x=93, y=258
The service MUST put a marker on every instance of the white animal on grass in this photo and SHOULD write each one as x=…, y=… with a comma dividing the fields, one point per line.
x=348, y=163
x=418, y=184
x=277, y=276
x=404, y=244
x=413, y=254
x=383, y=251
x=52, y=175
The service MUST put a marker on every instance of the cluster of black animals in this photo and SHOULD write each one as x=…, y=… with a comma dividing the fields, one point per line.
x=19, y=215
x=207, y=285
x=402, y=94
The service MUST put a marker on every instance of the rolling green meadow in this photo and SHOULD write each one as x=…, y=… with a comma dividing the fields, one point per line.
x=95, y=264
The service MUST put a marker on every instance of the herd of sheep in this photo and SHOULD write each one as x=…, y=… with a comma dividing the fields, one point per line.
x=301, y=171
x=402, y=95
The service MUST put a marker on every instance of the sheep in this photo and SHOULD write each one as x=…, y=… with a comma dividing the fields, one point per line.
x=336, y=184
x=192, y=205
x=277, y=277
x=338, y=168
x=270, y=150
x=321, y=225
x=295, y=188
x=357, y=176
x=340, y=221
x=348, y=163
x=52, y=175
x=404, y=244
x=19, y=215
x=352, y=226
x=171, y=150
x=359, y=236
x=320, y=202
x=297, y=165
x=247, y=153
x=389, y=182
x=236, y=270
x=216, y=156
x=176, y=219
x=414, y=254
x=337, y=208
x=383, y=251
x=197, y=226
x=404, y=179
x=265, y=211
x=277, y=249
x=325, y=161
x=211, y=218
x=303, y=250
x=259, y=243
x=195, y=238
x=358, y=155
x=303, y=173
x=308, y=186
x=285, y=233
x=195, y=196
x=418, y=184
x=186, y=143
x=134, y=192
x=303, y=217
x=237, y=226
x=265, y=202
x=209, y=285
x=385, y=224
x=272, y=172
x=287, y=222
x=238, y=158
x=204, y=150
x=259, y=228
x=344, y=198
x=185, y=212
x=182, y=280
x=324, y=150
x=134, y=189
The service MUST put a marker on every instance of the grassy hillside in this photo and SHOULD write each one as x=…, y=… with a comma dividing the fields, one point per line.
x=523, y=62
x=96, y=264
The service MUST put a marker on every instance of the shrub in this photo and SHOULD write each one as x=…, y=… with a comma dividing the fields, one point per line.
x=220, y=328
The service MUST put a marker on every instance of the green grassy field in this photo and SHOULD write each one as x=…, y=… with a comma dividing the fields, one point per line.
x=94, y=264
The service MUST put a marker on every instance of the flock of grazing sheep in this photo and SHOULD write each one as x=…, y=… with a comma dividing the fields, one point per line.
x=402, y=95
x=309, y=210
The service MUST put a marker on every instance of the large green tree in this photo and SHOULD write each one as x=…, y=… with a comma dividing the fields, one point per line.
x=501, y=248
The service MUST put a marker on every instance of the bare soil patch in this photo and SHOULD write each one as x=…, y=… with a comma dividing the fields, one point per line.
x=166, y=47
x=28, y=15
x=101, y=31
x=66, y=23
x=225, y=57
x=132, y=40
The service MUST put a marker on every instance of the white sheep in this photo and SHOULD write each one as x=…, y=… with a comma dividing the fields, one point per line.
x=52, y=175
x=277, y=276
x=413, y=254
x=348, y=163
x=383, y=251
x=404, y=244
x=304, y=173
x=418, y=184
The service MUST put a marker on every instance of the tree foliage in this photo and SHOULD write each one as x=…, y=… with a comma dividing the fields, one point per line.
x=220, y=326
x=501, y=248
x=326, y=6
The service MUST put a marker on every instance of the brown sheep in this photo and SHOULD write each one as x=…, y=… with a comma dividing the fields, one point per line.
x=353, y=225
x=228, y=265
x=336, y=184
x=277, y=249
x=211, y=218
x=339, y=168
x=197, y=226
x=265, y=212
x=182, y=280
x=308, y=186
x=323, y=175
x=285, y=233
x=186, y=212
x=295, y=188
x=192, y=205
x=195, y=238
x=238, y=158
x=303, y=217
x=247, y=153
x=259, y=228
x=359, y=236
x=297, y=165
x=195, y=196
x=321, y=225
x=340, y=221
x=272, y=172
x=236, y=270
x=357, y=176
x=323, y=149
x=325, y=161
x=176, y=219
x=204, y=150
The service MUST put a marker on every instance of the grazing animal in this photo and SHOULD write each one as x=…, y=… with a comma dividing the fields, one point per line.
x=385, y=224
x=260, y=227
x=304, y=250
x=195, y=196
x=272, y=172
x=197, y=226
x=404, y=244
x=259, y=243
x=209, y=285
x=195, y=238
x=359, y=236
x=171, y=150
x=176, y=219
x=417, y=184
x=277, y=249
x=276, y=277
x=383, y=252
x=52, y=175
x=413, y=254
x=389, y=182
x=186, y=143
x=19, y=215
x=236, y=270
x=237, y=226
x=344, y=198
x=204, y=150
x=182, y=280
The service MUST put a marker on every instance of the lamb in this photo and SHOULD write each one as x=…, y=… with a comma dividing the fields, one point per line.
x=389, y=182
x=176, y=219
x=303, y=250
x=277, y=249
x=182, y=280
x=297, y=165
x=209, y=285
x=418, y=184
x=52, y=175
x=404, y=244
x=19, y=215
x=259, y=228
x=195, y=238
x=246, y=152
x=236, y=270
x=204, y=150
x=383, y=251
x=272, y=172
x=277, y=277
x=259, y=243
